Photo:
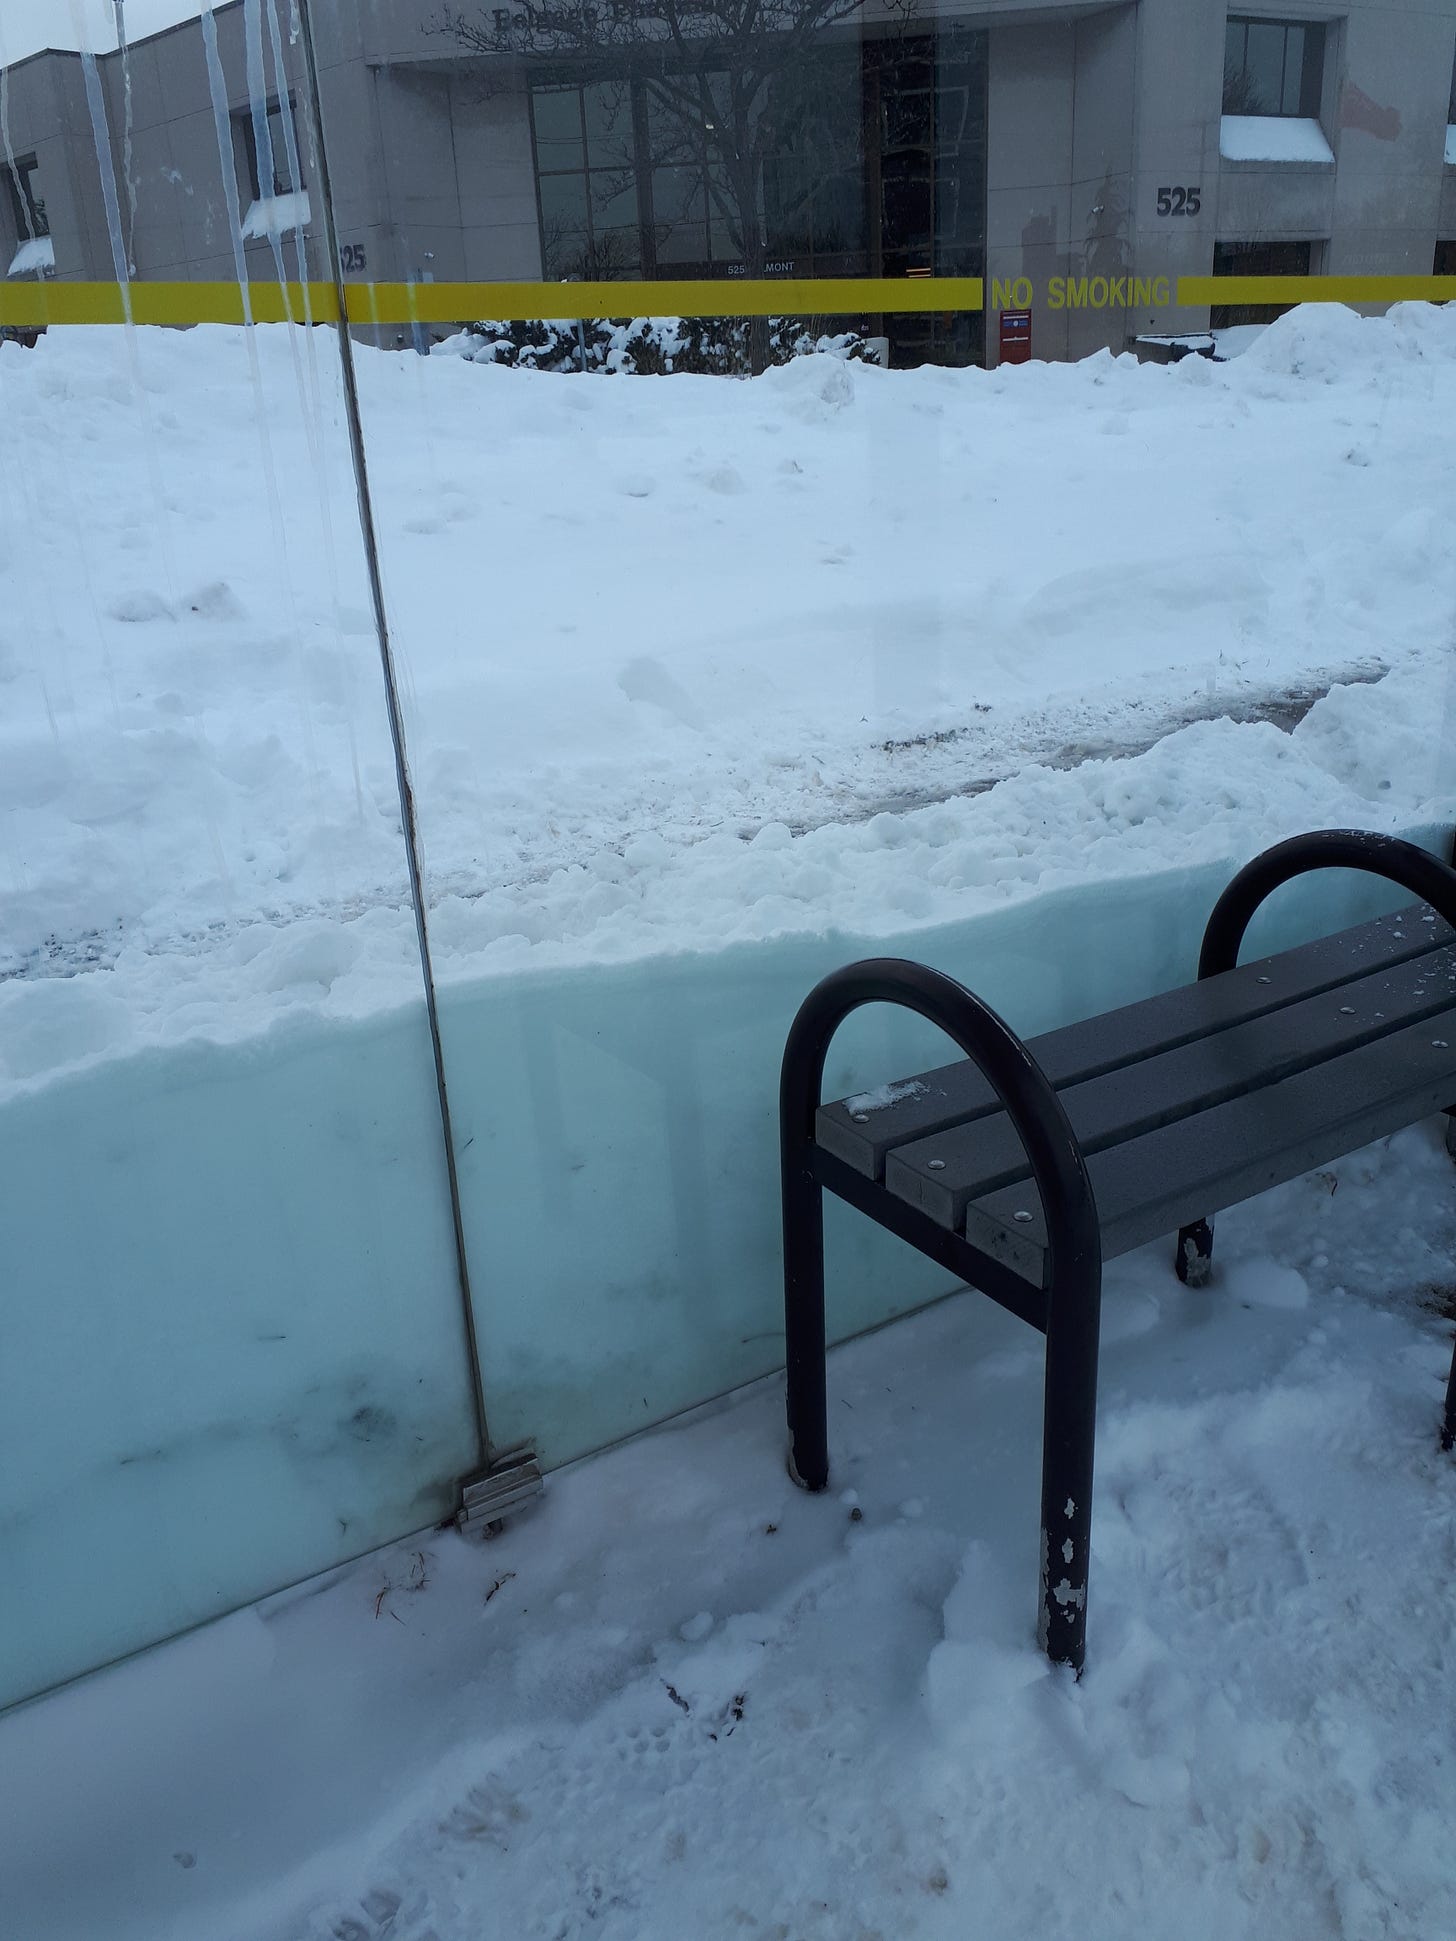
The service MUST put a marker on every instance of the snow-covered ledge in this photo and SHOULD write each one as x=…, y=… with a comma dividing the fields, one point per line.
x=33, y=257
x=276, y=215
x=1451, y=147
x=1274, y=138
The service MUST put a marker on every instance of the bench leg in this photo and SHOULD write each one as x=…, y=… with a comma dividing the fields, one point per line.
x=1193, y=1262
x=1448, y=1420
x=1069, y=1433
x=803, y=1199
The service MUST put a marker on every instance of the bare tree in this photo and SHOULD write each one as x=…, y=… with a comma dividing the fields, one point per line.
x=732, y=87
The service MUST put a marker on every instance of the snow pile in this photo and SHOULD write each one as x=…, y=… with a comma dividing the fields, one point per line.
x=34, y=256
x=685, y=661
x=682, y=1698
x=277, y=215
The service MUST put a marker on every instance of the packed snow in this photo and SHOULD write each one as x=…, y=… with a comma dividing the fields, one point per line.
x=680, y=1698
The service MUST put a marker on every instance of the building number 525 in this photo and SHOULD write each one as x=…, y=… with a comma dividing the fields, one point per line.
x=1180, y=202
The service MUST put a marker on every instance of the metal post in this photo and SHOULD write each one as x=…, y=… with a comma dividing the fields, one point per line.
x=355, y=423
x=804, y=1318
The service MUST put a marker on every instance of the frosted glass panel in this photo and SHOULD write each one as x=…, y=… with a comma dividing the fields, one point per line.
x=233, y=1345
x=760, y=611
x=638, y=1269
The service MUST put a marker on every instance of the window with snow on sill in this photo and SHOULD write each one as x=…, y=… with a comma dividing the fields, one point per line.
x=276, y=215
x=1273, y=138
x=33, y=257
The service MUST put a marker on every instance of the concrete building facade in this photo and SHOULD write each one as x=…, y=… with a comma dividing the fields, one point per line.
x=1081, y=157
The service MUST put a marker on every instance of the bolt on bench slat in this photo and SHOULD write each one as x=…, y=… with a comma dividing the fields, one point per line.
x=941, y=1175
x=1168, y=1178
x=954, y=1094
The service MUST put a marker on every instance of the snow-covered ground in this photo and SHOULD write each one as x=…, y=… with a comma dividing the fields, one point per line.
x=681, y=1699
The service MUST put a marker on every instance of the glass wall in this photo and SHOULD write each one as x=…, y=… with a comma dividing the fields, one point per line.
x=233, y=1343
x=796, y=484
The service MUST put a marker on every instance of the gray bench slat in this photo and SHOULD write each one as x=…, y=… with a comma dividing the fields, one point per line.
x=1170, y=1178
x=953, y=1093
x=941, y=1175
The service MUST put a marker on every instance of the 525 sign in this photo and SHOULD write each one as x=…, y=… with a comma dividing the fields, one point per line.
x=1180, y=202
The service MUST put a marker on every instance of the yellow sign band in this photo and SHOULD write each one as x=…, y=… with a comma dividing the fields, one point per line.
x=1195, y=291
x=32, y=306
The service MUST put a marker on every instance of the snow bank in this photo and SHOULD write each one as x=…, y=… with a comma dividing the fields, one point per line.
x=687, y=662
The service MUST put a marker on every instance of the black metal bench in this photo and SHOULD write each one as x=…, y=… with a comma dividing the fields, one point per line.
x=1020, y=1170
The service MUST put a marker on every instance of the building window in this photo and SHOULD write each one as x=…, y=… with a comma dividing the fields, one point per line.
x=34, y=254
x=272, y=175
x=1273, y=67
x=28, y=212
x=1257, y=259
x=591, y=218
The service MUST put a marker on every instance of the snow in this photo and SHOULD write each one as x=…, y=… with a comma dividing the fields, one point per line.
x=879, y=1096
x=1273, y=138
x=39, y=253
x=1450, y=147
x=708, y=687
x=624, y=742
x=679, y=749
x=277, y=215
x=681, y=1697
x=1234, y=339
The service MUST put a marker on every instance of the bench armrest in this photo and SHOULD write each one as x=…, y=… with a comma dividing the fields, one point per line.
x=1416, y=870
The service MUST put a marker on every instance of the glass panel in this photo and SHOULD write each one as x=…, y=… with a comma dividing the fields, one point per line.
x=285, y=179
x=609, y=132
x=613, y=199
x=992, y=625
x=557, y=115
x=565, y=230
x=1292, y=97
x=234, y=1346
x=1256, y=259
x=679, y=209
x=1235, y=95
x=1263, y=74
